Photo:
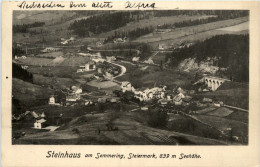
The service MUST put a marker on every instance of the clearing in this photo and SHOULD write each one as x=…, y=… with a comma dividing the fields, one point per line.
x=153, y=22
x=236, y=28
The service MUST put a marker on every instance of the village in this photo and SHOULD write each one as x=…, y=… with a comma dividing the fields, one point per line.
x=128, y=85
x=174, y=101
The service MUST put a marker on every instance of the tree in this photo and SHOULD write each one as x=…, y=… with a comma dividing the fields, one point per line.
x=157, y=118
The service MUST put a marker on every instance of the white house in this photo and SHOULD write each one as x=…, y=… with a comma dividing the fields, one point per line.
x=119, y=40
x=161, y=47
x=177, y=100
x=24, y=67
x=81, y=69
x=52, y=100
x=149, y=61
x=126, y=86
x=90, y=66
x=135, y=59
x=71, y=98
x=50, y=49
x=39, y=124
x=111, y=58
x=65, y=42
x=76, y=90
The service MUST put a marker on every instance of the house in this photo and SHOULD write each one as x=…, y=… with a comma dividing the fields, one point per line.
x=76, y=90
x=88, y=102
x=207, y=100
x=81, y=69
x=109, y=76
x=111, y=58
x=135, y=59
x=149, y=61
x=126, y=86
x=64, y=42
x=218, y=103
x=169, y=97
x=177, y=100
x=114, y=100
x=119, y=40
x=144, y=108
x=72, y=98
x=164, y=102
x=40, y=123
x=43, y=115
x=161, y=47
x=50, y=49
x=72, y=39
x=34, y=115
x=102, y=100
x=90, y=66
x=186, y=101
x=100, y=43
x=52, y=100
x=23, y=57
x=24, y=67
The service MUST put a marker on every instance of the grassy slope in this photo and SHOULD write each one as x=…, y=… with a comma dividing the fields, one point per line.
x=239, y=129
x=153, y=75
x=192, y=30
x=151, y=22
x=28, y=93
x=131, y=131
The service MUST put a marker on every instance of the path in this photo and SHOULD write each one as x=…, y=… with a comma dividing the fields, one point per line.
x=237, y=108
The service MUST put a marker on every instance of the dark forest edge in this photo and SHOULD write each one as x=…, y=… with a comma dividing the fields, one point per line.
x=104, y=23
x=232, y=52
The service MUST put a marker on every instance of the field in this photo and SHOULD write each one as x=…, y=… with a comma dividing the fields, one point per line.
x=35, y=61
x=192, y=33
x=236, y=28
x=102, y=85
x=51, y=71
x=131, y=130
x=238, y=129
x=220, y=112
x=239, y=116
x=140, y=76
x=153, y=22
x=238, y=97
x=49, y=17
x=30, y=94
x=159, y=57
x=51, y=54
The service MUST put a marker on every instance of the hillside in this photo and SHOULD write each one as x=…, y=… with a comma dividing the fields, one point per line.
x=131, y=131
x=223, y=51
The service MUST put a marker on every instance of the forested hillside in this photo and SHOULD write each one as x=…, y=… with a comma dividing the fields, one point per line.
x=22, y=74
x=24, y=28
x=99, y=24
x=231, y=52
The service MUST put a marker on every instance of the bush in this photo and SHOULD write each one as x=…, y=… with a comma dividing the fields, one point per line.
x=157, y=119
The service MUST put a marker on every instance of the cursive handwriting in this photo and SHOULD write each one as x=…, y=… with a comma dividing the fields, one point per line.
x=79, y=5
x=102, y=5
x=139, y=5
x=31, y=5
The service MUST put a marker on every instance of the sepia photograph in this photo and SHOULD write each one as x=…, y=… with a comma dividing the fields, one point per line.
x=130, y=77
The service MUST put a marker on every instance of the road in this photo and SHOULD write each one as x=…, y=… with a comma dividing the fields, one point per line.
x=237, y=108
